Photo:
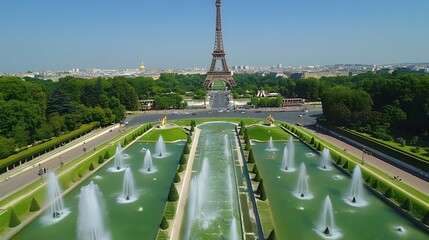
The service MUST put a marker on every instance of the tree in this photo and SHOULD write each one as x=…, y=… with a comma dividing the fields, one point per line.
x=106, y=155
x=181, y=168
x=173, y=196
x=91, y=167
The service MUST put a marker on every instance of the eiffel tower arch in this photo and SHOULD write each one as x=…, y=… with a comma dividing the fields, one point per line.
x=219, y=55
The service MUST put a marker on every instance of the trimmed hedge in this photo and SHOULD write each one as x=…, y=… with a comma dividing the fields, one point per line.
x=186, y=149
x=181, y=168
x=100, y=159
x=176, y=178
x=41, y=148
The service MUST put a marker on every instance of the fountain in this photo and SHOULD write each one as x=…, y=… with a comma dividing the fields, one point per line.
x=327, y=227
x=289, y=157
x=233, y=232
x=90, y=223
x=271, y=145
x=356, y=189
x=325, y=163
x=197, y=196
x=226, y=146
x=302, y=191
x=160, y=149
x=54, y=198
x=128, y=193
x=147, y=163
x=285, y=160
x=119, y=157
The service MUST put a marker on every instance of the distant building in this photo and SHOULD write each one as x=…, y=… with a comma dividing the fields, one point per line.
x=297, y=76
x=288, y=102
x=142, y=67
x=147, y=103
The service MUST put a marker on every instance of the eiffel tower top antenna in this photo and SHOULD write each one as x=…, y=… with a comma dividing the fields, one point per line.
x=219, y=54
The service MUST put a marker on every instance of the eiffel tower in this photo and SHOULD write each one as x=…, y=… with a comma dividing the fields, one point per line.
x=219, y=54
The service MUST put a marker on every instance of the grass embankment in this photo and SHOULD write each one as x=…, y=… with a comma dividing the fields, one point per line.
x=69, y=176
x=375, y=178
x=418, y=159
x=263, y=133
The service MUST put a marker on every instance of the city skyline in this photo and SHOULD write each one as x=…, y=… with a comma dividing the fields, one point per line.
x=51, y=35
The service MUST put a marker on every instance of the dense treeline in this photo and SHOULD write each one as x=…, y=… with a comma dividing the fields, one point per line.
x=381, y=104
x=33, y=110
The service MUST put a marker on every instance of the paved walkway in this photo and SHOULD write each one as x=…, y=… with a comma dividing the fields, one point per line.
x=21, y=176
x=180, y=210
x=391, y=170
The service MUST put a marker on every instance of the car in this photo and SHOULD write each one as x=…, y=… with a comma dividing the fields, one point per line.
x=175, y=113
x=193, y=114
x=258, y=111
x=186, y=113
x=242, y=112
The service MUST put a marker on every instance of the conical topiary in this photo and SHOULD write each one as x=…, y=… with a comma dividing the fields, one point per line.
x=319, y=147
x=272, y=235
x=261, y=191
x=311, y=142
x=34, y=206
x=192, y=128
x=106, y=155
x=186, y=149
x=182, y=159
x=100, y=159
x=257, y=177
x=164, y=223
x=389, y=193
x=425, y=219
x=407, y=205
x=346, y=165
x=251, y=158
x=255, y=169
x=13, y=220
x=91, y=167
x=181, y=168
x=173, y=196
x=189, y=140
x=176, y=178
x=376, y=184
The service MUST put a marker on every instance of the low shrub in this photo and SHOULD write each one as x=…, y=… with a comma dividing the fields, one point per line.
x=91, y=167
x=173, y=196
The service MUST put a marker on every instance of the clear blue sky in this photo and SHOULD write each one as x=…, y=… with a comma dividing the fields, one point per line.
x=61, y=35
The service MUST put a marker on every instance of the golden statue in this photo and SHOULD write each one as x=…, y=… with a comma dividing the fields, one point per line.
x=270, y=120
x=163, y=121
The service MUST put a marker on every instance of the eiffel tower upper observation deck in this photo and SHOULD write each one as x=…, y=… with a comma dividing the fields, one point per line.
x=219, y=54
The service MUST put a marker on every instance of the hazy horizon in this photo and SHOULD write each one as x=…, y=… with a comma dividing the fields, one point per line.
x=53, y=35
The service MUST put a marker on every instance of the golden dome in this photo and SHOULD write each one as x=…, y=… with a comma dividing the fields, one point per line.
x=142, y=66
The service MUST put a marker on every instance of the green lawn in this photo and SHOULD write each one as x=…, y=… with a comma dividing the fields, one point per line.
x=169, y=135
x=421, y=154
x=263, y=133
